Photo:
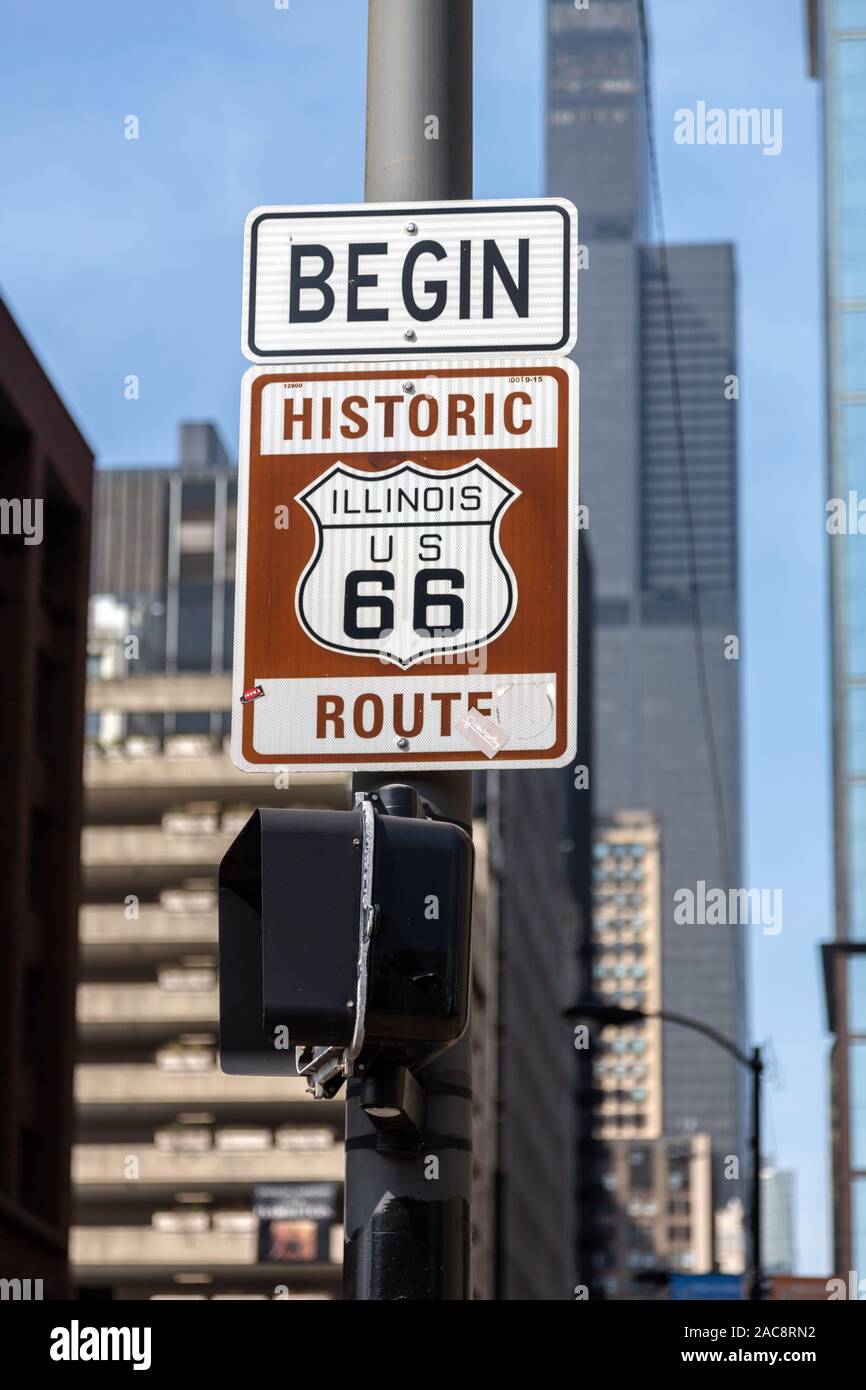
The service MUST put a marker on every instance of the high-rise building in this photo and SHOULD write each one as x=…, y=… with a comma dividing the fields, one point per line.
x=164, y=545
x=651, y=704
x=730, y=1233
x=176, y=1163
x=653, y=1209
x=837, y=30
x=779, y=1253
x=172, y=1155
x=536, y=958
x=662, y=758
x=627, y=972
x=44, y=544
x=660, y=1217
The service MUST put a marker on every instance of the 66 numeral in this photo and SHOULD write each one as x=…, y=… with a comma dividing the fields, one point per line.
x=423, y=602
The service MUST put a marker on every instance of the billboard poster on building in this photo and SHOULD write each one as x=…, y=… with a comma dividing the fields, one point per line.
x=295, y=1221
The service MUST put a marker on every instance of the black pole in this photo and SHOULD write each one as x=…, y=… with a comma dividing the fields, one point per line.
x=407, y=1210
x=757, y=1066
x=408, y=1201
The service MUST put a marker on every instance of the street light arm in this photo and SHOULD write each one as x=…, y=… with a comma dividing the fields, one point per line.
x=595, y=1010
x=698, y=1027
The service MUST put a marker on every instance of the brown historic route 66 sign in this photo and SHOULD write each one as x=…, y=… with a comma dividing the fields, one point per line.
x=406, y=566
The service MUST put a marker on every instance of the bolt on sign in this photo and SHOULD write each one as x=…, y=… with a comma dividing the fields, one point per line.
x=406, y=566
x=387, y=280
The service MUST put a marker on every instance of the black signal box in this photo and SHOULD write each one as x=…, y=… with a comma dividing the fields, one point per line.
x=342, y=929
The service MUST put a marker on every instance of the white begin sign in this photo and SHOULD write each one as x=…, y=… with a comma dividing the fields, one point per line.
x=377, y=279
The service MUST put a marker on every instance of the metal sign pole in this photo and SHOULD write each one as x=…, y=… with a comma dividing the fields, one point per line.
x=407, y=1214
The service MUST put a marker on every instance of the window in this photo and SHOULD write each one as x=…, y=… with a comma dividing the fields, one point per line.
x=641, y=1238
x=189, y=722
x=195, y=614
x=31, y=1036
x=196, y=566
x=850, y=139
x=856, y=972
x=228, y=625
x=857, y=1103
x=29, y=1182
x=857, y=861
x=858, y=1223
x=854, y=350
x=857, y=730
x=197, y=501
x=641, y=1170
x=851, y=14
x=679, y=1161
x=38, y=868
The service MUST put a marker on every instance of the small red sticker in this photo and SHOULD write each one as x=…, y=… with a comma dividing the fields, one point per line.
x=251, y=694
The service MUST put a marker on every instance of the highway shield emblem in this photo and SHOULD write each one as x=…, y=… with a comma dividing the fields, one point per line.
x=407, y=563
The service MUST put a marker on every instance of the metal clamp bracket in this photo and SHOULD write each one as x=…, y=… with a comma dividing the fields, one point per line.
x=326, y=1068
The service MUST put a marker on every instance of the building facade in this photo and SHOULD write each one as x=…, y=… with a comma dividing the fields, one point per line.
x=653, y=1209
x=627, y=972
x=175, y=1162
x=44, y=545
x=837, y=31
x=177, y=1165
x=777, y=1207
x=659, y=1220
x=650, y=620
x=536, y=925
x=170, y=1153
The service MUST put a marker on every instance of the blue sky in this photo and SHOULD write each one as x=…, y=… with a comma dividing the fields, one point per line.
x=121, y=257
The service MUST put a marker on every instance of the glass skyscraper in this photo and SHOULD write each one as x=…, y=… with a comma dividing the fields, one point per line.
x=838, y=52
x=651, y=752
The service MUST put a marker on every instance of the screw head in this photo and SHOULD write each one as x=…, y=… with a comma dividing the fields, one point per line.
x=411, y=228
x=356, y=842
x=350, y=1003
x=402, y=744
x=409, y=387
x=410, y=335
